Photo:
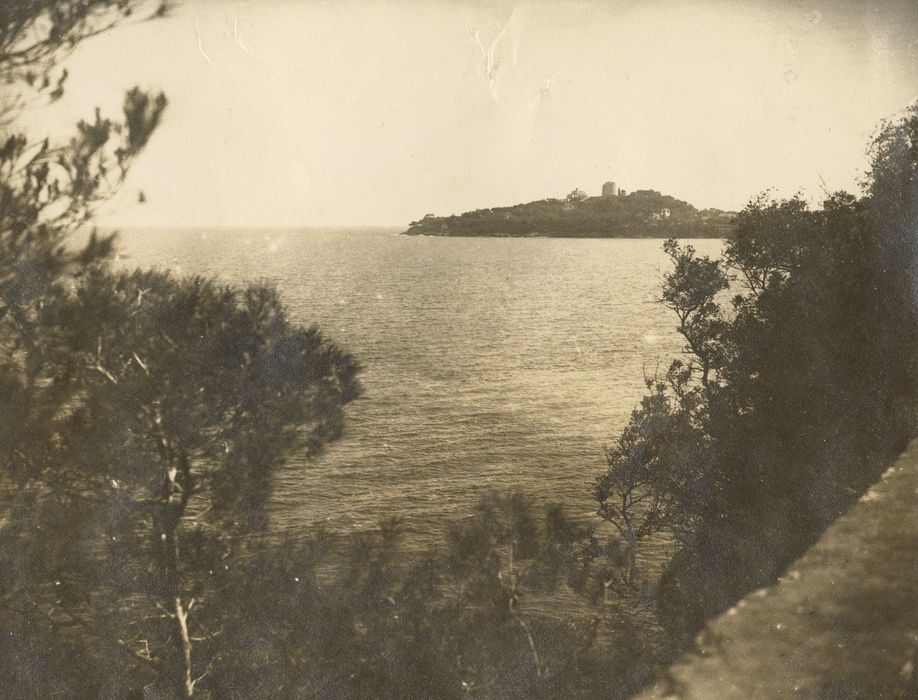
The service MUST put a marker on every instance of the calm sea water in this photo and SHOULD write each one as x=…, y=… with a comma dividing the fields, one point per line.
x=491, y=363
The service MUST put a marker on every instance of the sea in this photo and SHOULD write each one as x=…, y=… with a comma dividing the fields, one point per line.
x=490, y=364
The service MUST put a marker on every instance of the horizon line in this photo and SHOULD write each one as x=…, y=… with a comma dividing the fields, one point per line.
x=237, y=227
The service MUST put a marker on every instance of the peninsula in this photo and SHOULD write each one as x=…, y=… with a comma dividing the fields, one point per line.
x=613, y=214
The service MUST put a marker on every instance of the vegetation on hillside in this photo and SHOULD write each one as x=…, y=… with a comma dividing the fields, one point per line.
x=799, y=382
x=640, y=214
x=141, y=414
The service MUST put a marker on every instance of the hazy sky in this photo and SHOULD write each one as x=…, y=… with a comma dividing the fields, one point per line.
x=372, y=112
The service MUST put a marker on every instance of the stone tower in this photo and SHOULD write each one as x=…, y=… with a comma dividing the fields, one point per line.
x=609, y=190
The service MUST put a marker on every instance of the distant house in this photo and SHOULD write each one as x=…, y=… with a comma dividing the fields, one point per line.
x=609, y=190
x=577, y=195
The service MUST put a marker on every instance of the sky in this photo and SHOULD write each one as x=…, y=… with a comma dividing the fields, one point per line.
x=372, y=112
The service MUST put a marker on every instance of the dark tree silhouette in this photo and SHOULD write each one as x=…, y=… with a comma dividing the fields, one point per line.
x=141, y=414
x=794, y=393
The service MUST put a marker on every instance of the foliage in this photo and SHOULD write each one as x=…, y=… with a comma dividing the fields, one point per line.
x=47, y=192
x=794, y=392
x=189, y=394
x=649, y=474
x=515, y=603
x=34, y=33
x=472, y=619
x=141, y=414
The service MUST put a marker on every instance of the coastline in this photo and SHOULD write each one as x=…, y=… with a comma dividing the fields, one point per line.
x=656, y=236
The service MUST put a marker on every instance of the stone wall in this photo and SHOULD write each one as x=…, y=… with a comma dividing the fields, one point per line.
x=842, y=623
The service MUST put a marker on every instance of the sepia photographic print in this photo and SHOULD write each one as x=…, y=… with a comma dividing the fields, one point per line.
x=492, y=349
